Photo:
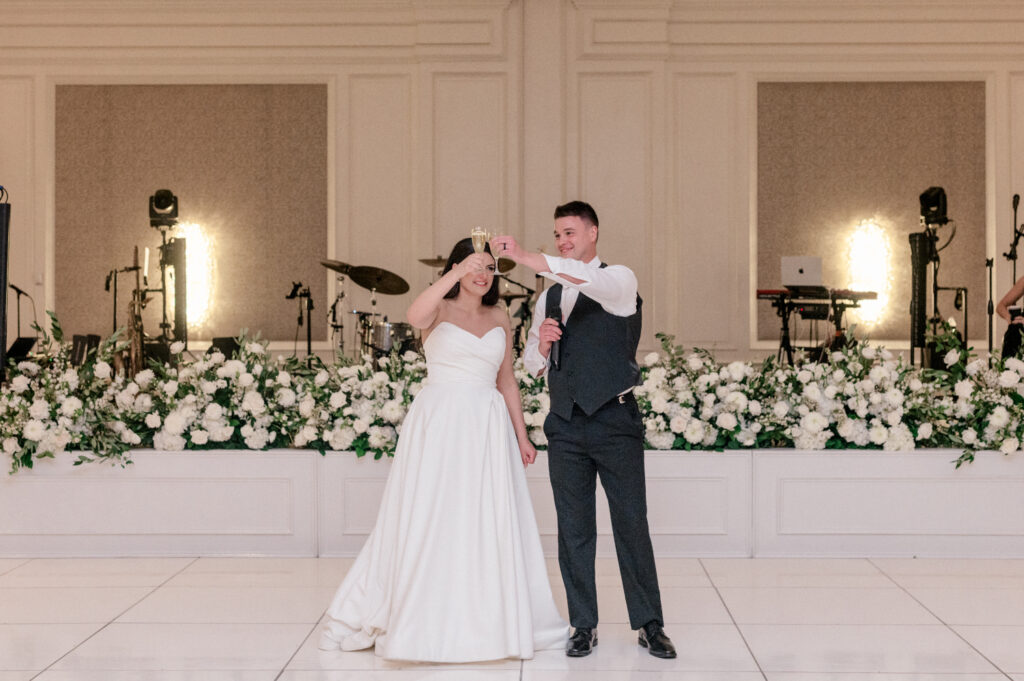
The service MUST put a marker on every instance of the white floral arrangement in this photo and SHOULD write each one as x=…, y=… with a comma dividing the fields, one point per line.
x=862, y=397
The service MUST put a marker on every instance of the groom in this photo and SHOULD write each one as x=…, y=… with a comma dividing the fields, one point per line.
x=584, y=337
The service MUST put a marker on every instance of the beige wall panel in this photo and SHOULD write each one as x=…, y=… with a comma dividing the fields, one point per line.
x=16, y=176
x=248, y=164
x=380, y=190
x=1004, y=233
x=470, y=156
x=707, y=259
x=615, y=174
x=833, y=154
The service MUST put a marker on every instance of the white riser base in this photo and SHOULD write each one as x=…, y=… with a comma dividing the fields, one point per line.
x=298, y=503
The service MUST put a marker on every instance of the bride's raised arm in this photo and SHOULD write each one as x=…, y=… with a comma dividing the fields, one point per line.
x=423, y=312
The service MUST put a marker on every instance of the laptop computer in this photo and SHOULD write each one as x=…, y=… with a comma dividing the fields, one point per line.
x=801, y=274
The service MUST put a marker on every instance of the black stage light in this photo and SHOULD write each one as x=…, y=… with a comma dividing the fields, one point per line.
x=163, y=209
x=933, y=206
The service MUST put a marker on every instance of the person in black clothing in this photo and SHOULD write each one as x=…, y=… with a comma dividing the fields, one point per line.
x=584, y=339
x=1012, y=314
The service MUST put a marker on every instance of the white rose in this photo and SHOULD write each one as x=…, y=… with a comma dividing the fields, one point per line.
x=254, y=348
x=969, y=436
x=70, y=406
x=1008, y=379
x=200, y=437
x=245, y=380
x=177, y=347
x=878, y=434
x=40, y=409
x=951, y=358
x=868, y=352
x=153, y=420
x=975, y=366
x=963, y=388
x=101, y=370
x=253, y=403
x=999, y=417
x=34, y=430
x=780, y=409
x=726, y=421
x=661, y=440
x=694, y=432
x=284, y=378
x=170, y=388
x=925, y=431
x=1010, y=445
x=651, y=358
x=286, y=397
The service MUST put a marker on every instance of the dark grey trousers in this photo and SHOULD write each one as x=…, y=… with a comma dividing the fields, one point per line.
x=608, y=444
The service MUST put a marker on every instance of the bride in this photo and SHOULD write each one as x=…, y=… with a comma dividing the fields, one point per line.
x=453, y=570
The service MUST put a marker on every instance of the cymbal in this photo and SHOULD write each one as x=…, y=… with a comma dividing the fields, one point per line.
x=504, y=264
x=336, y=265
x=381, y=281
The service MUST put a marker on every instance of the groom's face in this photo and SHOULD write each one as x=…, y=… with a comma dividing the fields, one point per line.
x=575, y=238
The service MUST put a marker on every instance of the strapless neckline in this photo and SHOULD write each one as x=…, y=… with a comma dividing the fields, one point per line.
x=464, y=330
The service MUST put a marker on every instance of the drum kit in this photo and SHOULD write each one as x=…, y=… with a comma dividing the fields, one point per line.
x=376, y=336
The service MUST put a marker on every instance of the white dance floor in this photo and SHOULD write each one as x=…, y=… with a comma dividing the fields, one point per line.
x=732, y=619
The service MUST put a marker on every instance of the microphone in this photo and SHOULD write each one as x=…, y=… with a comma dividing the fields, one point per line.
x=1016, y=201
x=106, y=284
x=958, y=302
x=18, y=290
x=555, y=355
x=296, y=285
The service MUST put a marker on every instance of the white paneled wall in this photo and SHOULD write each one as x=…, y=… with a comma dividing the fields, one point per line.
x=452, y=113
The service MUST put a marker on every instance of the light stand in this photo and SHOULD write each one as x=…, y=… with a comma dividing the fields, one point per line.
x=1011, y=254
x=163, y=215
x=988, y=265
x=338, y=327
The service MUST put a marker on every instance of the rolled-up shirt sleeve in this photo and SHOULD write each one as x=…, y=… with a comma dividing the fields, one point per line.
x=614, y=287
x=533, y=361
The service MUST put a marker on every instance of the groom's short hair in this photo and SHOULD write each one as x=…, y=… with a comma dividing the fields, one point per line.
x=580, y=209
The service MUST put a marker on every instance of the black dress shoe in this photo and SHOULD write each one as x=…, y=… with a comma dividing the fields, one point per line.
x=582, y=642
x=653, y=637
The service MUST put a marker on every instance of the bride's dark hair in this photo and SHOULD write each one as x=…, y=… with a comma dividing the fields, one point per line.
x=463, y=249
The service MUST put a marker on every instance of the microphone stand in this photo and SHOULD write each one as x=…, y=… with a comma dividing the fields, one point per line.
x=991, y=309
x=1017, y=233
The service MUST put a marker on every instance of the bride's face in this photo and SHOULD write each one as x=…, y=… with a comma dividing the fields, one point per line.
x=479, y=282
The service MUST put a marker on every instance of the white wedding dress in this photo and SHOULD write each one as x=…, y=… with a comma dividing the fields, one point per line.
x=453, y=570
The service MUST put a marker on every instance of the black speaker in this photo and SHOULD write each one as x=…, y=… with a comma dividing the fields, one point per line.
x=226, y=345
x=5, y=226
x=920, y=256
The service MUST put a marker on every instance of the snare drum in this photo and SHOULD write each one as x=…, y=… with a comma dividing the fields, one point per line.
x=387, y=335
x=381, y=336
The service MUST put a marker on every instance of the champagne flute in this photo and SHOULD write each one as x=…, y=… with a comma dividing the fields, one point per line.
x=480, y=237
